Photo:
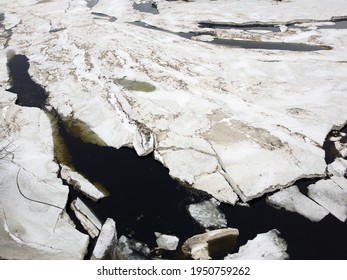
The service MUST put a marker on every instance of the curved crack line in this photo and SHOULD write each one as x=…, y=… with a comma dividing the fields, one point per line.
x=19, y=240
x=28, y=198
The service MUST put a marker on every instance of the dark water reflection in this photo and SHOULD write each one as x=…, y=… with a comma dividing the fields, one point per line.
x=306, y=240
x=143, y=198
x=29, y=93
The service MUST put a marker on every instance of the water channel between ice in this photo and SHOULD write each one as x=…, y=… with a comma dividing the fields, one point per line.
x=246, y=44
x=144, y=199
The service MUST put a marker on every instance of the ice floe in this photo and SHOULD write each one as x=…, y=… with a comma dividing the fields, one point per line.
x=329, y=195
x=293, y=200
x=265, y=246
x=34, y=224
x=207, y=214
x=105, y=246
x=166, y=242
x=88, y=220
x=214, y=243
x=78, y=182
x=338, y=171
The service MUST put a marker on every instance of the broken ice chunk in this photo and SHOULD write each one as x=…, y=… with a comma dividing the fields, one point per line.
x=88, y=220
x=342, y=148
x=216, y=243
x=293, y=200
x=338, y=170
x=129, y=249
x=106, y=241
x=331, y=197
x=207, y=214
x=80, y=183
x=167, y=242
x=338, y=167
x=267, y=246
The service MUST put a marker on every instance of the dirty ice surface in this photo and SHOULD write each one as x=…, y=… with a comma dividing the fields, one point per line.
x=234, y=122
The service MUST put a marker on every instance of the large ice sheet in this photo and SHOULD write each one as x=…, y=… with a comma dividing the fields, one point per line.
x=33, y=222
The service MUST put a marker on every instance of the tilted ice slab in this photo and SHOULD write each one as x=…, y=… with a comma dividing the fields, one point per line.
x=293, y=200
x=254, y=120
x=265, y=246
x=80, y=183
x=210, y=244
x=88, y=220
x=328, y=194
x=105, y=246
x=33, y=222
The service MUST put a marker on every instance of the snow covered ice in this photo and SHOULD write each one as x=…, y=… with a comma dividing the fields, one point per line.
x=293, y=200
x=265, y=246
x=236, y=123
x=328, y=194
